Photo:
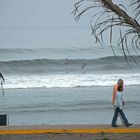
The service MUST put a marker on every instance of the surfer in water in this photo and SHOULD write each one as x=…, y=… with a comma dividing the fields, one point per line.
x=83, y=66
x=66, y=61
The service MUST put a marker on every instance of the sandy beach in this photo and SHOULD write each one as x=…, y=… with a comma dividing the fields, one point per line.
x=58, y=106
x=59, y=114
x=69, y=132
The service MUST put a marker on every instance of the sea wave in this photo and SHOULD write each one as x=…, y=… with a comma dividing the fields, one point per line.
x=50, y=73
x=69, y=80
x=68, y=65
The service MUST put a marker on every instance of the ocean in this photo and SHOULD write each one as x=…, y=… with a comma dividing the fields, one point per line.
x=53, y=76
x=51, y=73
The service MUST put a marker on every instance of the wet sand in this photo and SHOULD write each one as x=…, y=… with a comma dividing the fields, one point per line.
x=69, y=132
x=57, y=106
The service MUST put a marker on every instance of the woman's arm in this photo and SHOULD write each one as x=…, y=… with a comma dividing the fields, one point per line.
x=115, y=88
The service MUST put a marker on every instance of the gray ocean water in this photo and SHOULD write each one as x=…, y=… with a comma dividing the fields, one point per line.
x=53, y=76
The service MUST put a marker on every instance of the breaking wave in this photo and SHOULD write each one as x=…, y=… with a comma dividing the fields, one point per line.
x=64, y=65
x=51, y=73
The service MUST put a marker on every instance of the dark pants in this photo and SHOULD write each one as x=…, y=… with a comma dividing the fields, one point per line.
x=119, y=111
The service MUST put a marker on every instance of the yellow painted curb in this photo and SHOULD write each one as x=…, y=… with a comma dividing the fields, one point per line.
x=61, y=131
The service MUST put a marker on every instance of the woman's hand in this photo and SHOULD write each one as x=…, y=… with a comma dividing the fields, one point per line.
x=123, y=103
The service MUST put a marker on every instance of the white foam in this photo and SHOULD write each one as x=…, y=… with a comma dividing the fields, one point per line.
x=71, y=80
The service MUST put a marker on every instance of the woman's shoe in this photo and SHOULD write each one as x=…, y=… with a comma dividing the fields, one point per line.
x=114, y=125
x=130, y=124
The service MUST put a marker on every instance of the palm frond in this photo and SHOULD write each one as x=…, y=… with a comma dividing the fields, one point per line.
x=110, y=16
x=136, y=4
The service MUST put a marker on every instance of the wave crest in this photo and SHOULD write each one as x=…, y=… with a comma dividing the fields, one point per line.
x=65, y=65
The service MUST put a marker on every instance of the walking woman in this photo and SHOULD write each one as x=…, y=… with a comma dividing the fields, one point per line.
x=118, y=108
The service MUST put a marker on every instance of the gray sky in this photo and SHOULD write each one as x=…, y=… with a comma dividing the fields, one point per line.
x=37, y=13
x=19, y=16
x=43, y=13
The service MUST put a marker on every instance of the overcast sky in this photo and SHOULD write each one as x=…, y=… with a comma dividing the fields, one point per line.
x=37, y=13
x=17, y=17
x=42, y=13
